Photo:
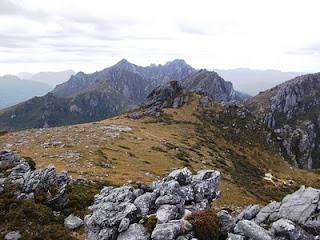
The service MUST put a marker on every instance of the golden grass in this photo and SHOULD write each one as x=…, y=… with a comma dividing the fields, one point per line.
x=152, y=149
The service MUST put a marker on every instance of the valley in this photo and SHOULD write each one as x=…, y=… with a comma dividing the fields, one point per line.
x=121, y=150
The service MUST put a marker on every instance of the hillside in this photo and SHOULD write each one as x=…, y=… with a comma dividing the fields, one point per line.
x=107, y=93
x=292, y=109
x=14, y=90
x=121, y=150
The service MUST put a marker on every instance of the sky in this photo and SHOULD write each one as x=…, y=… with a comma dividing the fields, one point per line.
x=47, y=35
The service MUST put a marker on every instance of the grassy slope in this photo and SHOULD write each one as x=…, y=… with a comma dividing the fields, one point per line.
x=181, y=137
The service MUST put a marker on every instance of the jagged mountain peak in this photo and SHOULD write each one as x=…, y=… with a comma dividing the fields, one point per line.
x=124, y=64
x=177, y=62
x=211, y=84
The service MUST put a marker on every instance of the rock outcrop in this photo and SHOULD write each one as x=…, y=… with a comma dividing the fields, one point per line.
x=292, y=110
x=296, y=217
x=211, y=84
x=31, y=182
x=120, y=213
x=170, y=95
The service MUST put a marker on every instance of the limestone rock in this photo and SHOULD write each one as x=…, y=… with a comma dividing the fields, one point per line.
x=286, y=228
x=252, y=230
x=14, y=235
x=73, y=222
x=135, y=232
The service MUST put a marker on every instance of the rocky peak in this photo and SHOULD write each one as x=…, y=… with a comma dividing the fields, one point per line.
x=124, y=64
x=170, y=95
x=292, y=109
x=290, y=96
x=211, y=84
x=177, y=63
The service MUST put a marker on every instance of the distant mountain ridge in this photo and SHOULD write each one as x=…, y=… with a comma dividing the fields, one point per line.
x=114, y=90
x=14, y=90
x=51, y=78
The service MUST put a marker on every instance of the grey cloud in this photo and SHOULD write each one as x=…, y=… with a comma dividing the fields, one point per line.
x=187, y=28
x=311, y=49
x=13, y=8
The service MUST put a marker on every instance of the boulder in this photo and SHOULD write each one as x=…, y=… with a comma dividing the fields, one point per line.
x=300, y=205
x=171, y=230
x=166, y=213
x=232, y=236
x=135, y=231
x=312, y=226
x=268, y=213
x=252, y=230
x=124, y=225
x=72, y=222
x=169, y=199
x=249, y=213
x=14, y=235
x=145, y=202
x=290, y=230
x=227, y=222
x=182, y=176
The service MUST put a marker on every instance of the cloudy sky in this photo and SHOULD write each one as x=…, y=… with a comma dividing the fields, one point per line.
x=88, y=35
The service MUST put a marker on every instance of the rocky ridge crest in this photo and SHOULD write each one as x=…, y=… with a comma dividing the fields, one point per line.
x=292, y=109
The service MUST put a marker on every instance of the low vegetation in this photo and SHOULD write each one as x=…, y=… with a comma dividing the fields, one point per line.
x=206, y=225
x=211, y=138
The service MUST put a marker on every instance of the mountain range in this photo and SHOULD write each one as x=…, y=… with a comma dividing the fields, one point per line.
x=51, y=78
x=290, y=109
x=14, y=90
x=107, y=93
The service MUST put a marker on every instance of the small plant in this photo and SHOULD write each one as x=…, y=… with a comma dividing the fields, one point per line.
x=150, y=222
x=206, y=225
x=80, y=198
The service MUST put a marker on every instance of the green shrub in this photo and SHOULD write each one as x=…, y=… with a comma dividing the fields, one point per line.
x=205, y=224
x=150, y=222
x=80, y=197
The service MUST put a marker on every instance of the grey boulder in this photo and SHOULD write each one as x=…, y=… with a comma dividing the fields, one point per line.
x=251, y=230
x=135, y=231
x=300, y=205
x=14, y=235
x=171, y=230
x=72, y=222
x=290, y=230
